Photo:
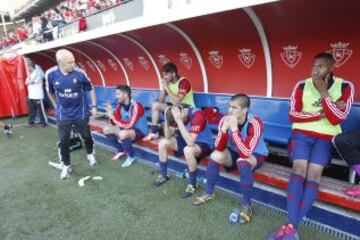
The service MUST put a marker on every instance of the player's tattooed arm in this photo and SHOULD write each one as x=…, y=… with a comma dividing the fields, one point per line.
x=188, y=137
x=175, y=98
x=162, y=96
x=168, y=130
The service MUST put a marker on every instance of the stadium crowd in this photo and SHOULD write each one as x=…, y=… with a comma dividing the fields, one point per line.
x=42, y=28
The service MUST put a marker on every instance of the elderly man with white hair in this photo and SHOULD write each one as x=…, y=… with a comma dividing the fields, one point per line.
x=67, y=86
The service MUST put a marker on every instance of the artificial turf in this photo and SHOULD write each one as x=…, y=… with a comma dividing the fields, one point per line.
x=36, y=204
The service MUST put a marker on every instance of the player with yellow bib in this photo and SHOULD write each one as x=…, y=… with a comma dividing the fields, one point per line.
x=318, y=106
x=175, y=90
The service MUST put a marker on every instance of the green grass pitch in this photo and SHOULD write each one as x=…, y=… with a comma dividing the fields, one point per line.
x=36, y=204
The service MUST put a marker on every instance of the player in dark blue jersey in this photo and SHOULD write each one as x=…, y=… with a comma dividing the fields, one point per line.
x=67, y=88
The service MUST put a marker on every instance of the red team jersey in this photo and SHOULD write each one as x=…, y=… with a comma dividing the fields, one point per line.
x=197, y=122
x=244, y=146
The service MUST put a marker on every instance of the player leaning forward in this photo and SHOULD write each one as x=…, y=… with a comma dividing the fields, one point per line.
x=67, y=86
x=240, y=144
x=191, y=139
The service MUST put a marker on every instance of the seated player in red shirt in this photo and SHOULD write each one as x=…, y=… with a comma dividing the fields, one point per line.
x=240, y=144
x=192, y=139
x=129, y=123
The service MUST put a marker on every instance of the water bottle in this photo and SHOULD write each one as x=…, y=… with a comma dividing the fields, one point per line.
x=183, y=175
x=202, y=180
x=234, y=216
x=186, y=173
x=179, y=174
x=303, y=220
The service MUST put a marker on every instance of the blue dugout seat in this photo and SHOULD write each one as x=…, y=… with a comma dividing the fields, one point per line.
x=273, y=111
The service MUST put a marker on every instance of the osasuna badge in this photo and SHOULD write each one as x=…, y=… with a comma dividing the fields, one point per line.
x=91, y=66
x=101, y=65
x=216, y=59
x=246, y=57
x=144, y=62
x=340, y=53
x=128, y=63
x=75, y=80
x=163, y=59
x=185, y=60
x=317, y=103
x=291, y=56
x=81, y=66
x=112, y=64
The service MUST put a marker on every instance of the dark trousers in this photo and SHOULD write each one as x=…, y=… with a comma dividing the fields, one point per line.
x=82, y=127
x=348, y=146
x=34, y=109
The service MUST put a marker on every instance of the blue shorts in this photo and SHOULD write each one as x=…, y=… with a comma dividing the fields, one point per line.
x=138, y=135
x=308, y=148
x=181, y=144
x=260, y=159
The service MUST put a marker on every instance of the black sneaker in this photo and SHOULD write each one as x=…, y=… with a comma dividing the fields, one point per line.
x=189, y=191
x=160, y=180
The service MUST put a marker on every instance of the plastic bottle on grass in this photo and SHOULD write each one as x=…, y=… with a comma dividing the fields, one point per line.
x=184, y=174
x=202, y=180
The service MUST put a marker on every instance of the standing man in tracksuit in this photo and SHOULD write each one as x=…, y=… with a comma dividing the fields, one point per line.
x=34, y=82
x=67, y=86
